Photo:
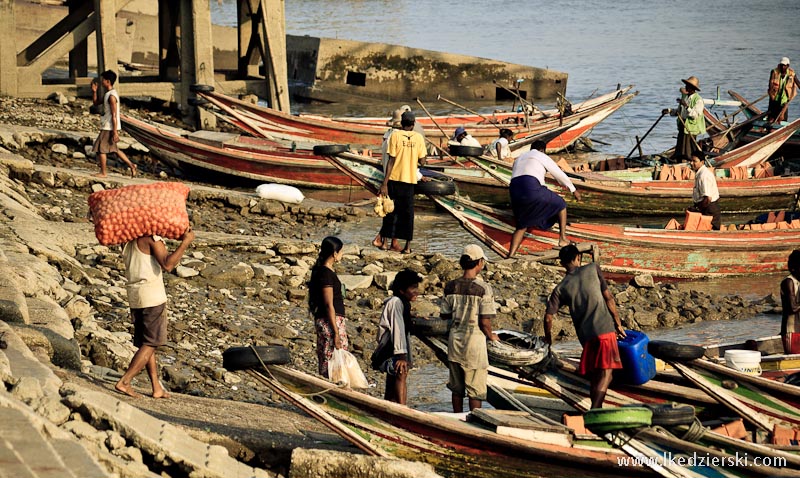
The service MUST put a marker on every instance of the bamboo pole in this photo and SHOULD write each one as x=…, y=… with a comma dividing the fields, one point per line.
x=442, y=98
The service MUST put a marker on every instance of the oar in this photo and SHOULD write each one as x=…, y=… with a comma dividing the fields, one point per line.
x=645, y=135
x=742, y=108
x=419, y=102
x=442, y=98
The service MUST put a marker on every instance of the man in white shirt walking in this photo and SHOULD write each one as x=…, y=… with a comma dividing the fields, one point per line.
x=108, y=138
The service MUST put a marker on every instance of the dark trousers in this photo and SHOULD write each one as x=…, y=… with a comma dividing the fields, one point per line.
x=686, y=146
x=712, y=210
x=774, y=109
x=400, y=223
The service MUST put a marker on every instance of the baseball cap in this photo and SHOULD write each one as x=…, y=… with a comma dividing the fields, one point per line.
x=408, y=117
x=475, y=252
x=785, y=60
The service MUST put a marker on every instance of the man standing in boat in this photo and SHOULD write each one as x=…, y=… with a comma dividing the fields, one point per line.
x=705, y=193
x=594, y=314
x=469, y=306
x=406, y=152
x=691, y=120
x=782, y=89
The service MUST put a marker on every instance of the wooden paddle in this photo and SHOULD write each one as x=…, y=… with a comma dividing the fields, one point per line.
x=442, y=98
x=639, y=141
x=419, y=102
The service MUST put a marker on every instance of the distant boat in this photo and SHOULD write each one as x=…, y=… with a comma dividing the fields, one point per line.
x=266, y=122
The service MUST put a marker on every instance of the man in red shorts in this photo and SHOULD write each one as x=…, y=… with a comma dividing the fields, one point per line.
x=594, y=315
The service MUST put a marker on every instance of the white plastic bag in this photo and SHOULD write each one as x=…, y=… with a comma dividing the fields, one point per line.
x=280, y=192
x=343, y=368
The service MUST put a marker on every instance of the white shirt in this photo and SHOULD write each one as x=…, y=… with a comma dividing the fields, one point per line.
x=144, y=275
x=391, y=324
x=505, y=151
x=470, y=141
x=385, y=146
x=705, y=184
x=535, y=163
x=106, y=121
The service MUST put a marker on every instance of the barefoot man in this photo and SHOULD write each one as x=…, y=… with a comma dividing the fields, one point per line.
x=108, y=138
x=145, y=259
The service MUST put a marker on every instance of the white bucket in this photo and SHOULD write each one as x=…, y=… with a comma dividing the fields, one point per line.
x=745, y=361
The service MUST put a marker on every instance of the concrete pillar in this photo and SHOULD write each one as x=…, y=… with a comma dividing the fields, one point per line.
x=274, y=31
x=106, y=35
x=8, y=49
x=169, y=62
x=197, y=56
x=78, y=56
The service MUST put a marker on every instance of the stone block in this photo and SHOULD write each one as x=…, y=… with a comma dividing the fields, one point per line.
x=385, y=279
x=353, y=282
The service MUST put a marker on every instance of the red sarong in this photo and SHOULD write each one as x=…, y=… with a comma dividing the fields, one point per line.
x=792, y=339
x=600, y=353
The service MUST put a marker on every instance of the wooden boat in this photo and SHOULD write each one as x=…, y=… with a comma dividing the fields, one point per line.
x=632, y=191
x=266, y=122
x=775, y=364
x=791, y=148
x=636, y=250
x=574, y=390
x=453, y=446
x=469, y=120
x=231, y=156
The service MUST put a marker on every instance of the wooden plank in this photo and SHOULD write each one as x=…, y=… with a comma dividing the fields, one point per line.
x=511, y=418
x=541, y=436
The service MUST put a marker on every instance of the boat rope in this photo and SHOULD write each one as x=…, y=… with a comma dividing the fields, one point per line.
x=269, y=372
x=695, y=432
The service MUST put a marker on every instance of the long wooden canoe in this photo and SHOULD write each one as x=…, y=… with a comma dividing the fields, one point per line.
x=468, y=120
x=267, y=122
x=634, y=250
x=632, y=191
x=221, y=155
x=450, y=445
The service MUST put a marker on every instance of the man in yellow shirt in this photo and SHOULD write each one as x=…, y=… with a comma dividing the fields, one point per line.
x=406, y=151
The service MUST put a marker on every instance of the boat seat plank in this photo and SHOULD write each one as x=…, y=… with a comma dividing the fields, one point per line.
x=496, y=419
x=213, y=138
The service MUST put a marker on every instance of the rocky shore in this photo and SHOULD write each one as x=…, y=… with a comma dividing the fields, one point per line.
x=63, y=306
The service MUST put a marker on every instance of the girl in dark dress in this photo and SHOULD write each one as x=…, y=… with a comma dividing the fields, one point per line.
x=326, y=302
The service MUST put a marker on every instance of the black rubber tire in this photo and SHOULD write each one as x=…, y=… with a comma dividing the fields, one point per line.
x=197, y=101
x=429, y=327
x=671, y=351
x=330, y=149
x=671, y=414
x=793, y=379
x=198, y=88
x=240, y=358
x=458, y=150
x=437, y=186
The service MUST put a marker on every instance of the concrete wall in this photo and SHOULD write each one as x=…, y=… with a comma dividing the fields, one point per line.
x=393, y=72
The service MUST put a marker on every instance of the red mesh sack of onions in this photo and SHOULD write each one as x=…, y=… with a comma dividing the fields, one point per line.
x=124, y=214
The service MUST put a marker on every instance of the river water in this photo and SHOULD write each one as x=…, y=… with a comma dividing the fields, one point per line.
x=730, y=44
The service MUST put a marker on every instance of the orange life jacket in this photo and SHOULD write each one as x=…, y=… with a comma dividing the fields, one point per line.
x=775, y=83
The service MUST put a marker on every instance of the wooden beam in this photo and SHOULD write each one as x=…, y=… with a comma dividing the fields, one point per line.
x=32, y=73
x=169, y=61
x=8, y=49
x=77, y=15
x=106, y=29
x=197, y=56
x=274, y=32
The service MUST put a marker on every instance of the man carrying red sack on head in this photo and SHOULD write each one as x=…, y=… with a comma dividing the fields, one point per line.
x=145, y=259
